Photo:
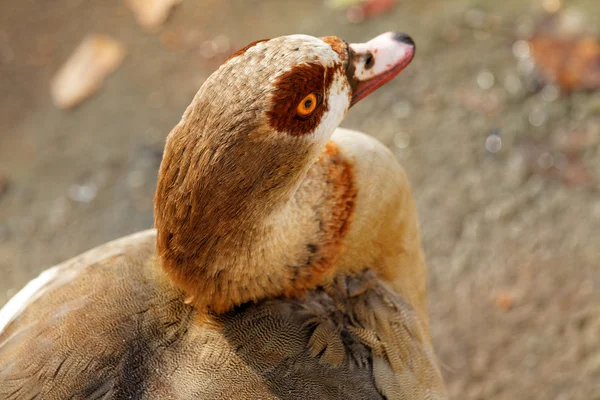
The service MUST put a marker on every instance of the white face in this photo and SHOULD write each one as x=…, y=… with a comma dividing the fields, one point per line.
x=339, y=102
x=295, y=67
x=338, y=94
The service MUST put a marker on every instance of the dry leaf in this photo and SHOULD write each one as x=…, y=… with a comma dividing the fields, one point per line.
x=563, y=164
x=372, y=8
x=504, y=301
x=151, y=14
x=358, y=10
x=573, y=63
x=84, y=72
x=576, y=174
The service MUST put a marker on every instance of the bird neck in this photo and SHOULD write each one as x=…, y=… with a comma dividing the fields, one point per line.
x=260, y=229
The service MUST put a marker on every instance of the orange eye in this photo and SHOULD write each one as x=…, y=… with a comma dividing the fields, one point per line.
x=307, y=105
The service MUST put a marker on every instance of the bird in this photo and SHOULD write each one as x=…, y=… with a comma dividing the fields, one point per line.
x=285, y=260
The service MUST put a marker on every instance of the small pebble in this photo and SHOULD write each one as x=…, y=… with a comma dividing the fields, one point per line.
x=485, y=80
x=537, y=117
x=475, y=18
x=525, y=66
x=521, y=49
x=208, y=49
x=493, y=143
x=513, y=84
x=402, y=140
x=516, y=169
x=550, y=93
x=83, y=193
x=222, y=44
x=545, y=160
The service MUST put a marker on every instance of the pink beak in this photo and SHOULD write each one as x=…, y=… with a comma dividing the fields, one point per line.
x=376, y=62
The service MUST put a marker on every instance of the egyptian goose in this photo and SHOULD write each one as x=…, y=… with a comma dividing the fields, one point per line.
x=286, y=261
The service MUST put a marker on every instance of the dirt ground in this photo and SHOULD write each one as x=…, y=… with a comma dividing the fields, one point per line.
x=512, y=236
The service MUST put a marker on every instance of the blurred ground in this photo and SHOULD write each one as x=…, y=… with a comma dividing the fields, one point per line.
x=514, y=252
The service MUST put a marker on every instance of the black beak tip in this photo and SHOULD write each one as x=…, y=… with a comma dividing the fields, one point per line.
x=403, y=38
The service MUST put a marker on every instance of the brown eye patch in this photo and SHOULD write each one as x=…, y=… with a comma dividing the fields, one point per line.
x=291, y=88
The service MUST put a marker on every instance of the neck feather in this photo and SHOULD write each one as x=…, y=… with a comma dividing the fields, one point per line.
x=265, y=228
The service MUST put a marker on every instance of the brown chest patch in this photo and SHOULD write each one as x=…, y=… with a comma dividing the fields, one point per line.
x=344, y=194
x=338, y=212
x=290, y=89
x=243, y=49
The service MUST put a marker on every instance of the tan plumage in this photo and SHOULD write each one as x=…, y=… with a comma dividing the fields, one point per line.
x=298, y=277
